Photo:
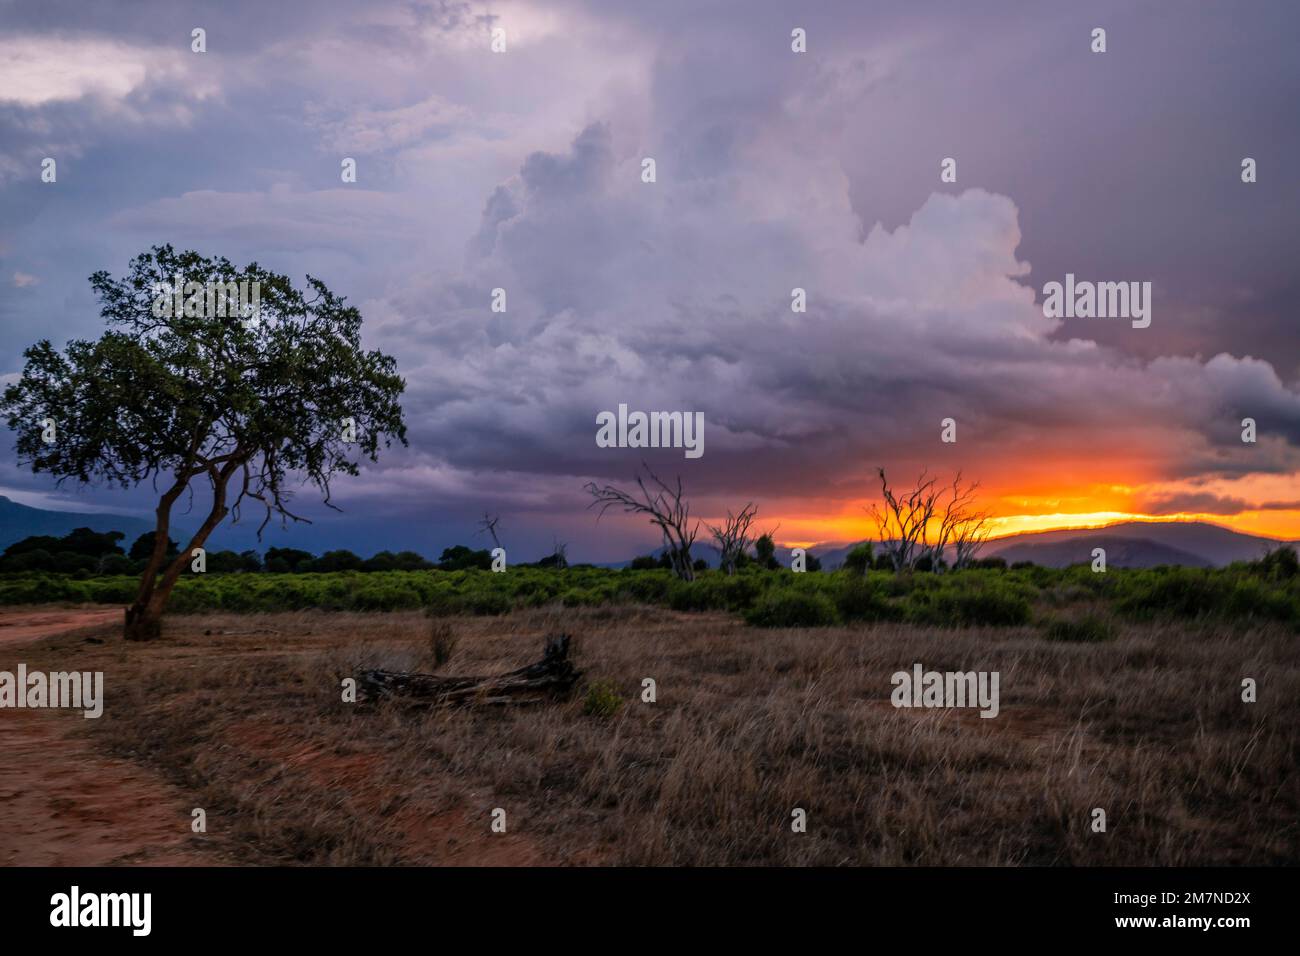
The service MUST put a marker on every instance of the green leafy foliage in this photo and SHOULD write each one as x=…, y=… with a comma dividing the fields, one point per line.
x=788, y=607
x=968, y=598
x=143, y=547
x=969, y=604
x=211, y=391
x=460, y=558
x=602, y=699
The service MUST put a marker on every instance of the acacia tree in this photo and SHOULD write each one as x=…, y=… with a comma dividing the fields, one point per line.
x=667, y=510
x=239, y=402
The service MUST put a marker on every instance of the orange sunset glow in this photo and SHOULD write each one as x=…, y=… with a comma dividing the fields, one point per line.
x=1089, y=507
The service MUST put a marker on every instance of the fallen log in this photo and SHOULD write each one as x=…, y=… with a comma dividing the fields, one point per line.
x=551, y=677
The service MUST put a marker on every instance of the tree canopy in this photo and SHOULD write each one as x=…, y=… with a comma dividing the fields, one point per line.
x=215, y=390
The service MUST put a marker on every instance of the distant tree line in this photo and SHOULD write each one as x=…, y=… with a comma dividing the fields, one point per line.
x=85, y=552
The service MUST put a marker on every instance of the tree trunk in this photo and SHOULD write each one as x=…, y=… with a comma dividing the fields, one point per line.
x=142, y=624
x=144, y=617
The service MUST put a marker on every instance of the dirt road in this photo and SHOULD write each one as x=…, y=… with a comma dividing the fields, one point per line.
x=21, y=627
x=62, y=803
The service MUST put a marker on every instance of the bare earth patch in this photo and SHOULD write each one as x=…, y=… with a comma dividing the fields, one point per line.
x=22, y=626
x=64, y=804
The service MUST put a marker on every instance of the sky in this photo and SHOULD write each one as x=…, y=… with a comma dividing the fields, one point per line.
x=774, y=170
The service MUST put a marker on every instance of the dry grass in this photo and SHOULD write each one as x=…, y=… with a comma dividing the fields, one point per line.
x=245, y=713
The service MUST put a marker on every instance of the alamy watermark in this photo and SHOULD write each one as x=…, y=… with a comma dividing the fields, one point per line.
x=922, y=688
x=1098, y=300
x=651, y=430
x=75, y=908
x=208, y=300
x=80, y=690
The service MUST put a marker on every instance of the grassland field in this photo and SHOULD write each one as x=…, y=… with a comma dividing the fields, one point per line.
x=1119, y=690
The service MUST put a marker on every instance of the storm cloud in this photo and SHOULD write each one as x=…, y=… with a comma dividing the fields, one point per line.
x=522, y=171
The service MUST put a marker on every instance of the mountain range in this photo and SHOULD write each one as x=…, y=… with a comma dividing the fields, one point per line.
x=21, y=521
x=1128, y=544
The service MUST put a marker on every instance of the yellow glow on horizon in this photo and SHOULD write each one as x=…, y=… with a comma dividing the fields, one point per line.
x=1022, y=505
x=1020, y=524
x=1284, y=525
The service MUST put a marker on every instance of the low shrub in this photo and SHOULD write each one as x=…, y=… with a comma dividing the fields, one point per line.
x=1084, y=630
x=1195, y=593
x=968, y=607
x=790, y=608
x=602, y=699
x=858, y=599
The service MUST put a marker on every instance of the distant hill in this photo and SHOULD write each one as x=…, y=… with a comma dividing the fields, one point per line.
x=1149, y=543
x=833, y=553
x=20, y=521
x=1120, y=553
x=1136, y=544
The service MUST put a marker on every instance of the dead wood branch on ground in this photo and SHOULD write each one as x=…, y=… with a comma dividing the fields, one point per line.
x=550, y=678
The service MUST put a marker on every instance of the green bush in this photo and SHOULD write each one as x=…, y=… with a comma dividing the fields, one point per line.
x=649, y=586
x=712, y=591
x=1173, y=593
x=740, y=591
x=486, y=603
x=1085, y=630
x=790, y=608
x=968, y=607
x=602, y=699
x=977, y=596
x=1280, y=564
x=113, y=590
x=579, y=597
x=860, y=559
x=386, y=597
x=1196, y=592
x=858, y=599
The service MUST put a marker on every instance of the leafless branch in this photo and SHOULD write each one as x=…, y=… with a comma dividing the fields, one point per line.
x=733, y=536
x=666, y=509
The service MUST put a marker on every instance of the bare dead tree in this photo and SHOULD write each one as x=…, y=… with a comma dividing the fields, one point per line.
x=665, y=507
x=904, y=518
x=956, y=511
x=969, y=536
x=733, y=536
x=559, y=553
x=488, y=525
x=907, y=520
